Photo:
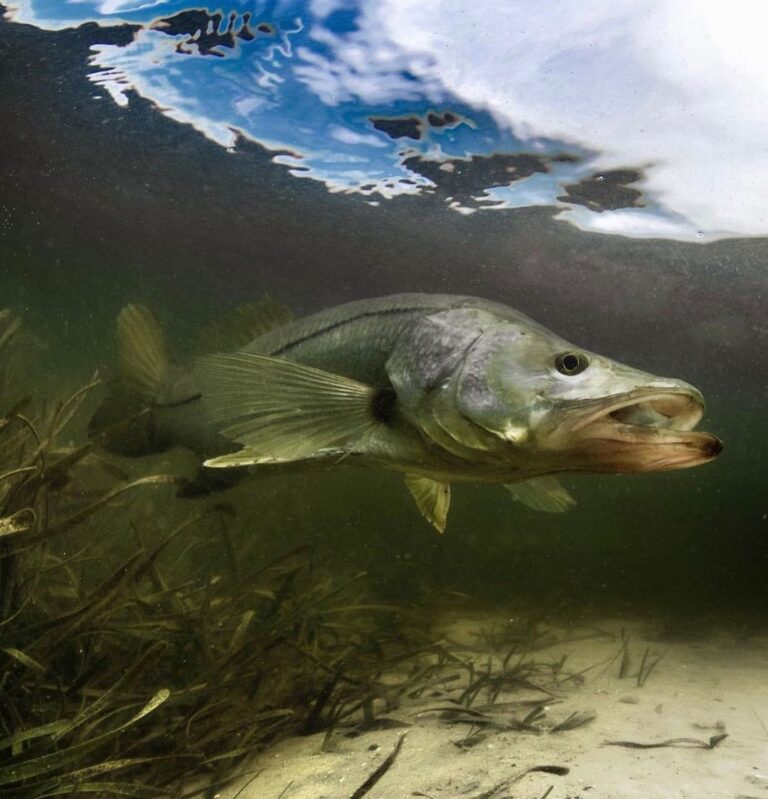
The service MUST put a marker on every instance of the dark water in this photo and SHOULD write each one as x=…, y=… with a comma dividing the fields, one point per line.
x=103, y=204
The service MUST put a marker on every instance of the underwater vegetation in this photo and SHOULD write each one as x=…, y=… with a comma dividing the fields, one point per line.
x=124, y=677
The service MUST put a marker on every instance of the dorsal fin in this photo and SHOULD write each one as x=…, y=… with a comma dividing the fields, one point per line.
x=142, y=358
x=244, y=324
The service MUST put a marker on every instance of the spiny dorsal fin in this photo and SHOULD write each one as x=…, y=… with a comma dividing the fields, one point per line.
x=433, y=499
x=542, y=493
x=244, y=324
x=280, y=410
x=142, y=357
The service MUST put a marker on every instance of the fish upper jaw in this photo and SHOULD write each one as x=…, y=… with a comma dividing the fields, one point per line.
x=671, y=408
x=646, y=429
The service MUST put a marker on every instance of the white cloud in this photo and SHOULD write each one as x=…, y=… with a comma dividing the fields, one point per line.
x=362, y=65
x=356, y=72
x=635, y=222
x=348, y=136
x=118, y=6
x=322, y=8
x=677, y=86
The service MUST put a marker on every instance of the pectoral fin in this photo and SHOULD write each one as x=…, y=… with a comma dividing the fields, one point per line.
x=280, y=410
x=542, y=493
x=433, y=499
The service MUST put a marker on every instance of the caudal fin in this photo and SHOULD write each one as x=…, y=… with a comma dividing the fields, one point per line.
x=124, y=423
x=142, y=357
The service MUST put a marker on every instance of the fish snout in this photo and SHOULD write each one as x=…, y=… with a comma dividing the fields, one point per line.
x=643, y=430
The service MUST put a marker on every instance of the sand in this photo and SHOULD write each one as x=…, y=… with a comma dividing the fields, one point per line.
x=701, y=688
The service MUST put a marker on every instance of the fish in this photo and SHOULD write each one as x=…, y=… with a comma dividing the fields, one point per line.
x=442, y=388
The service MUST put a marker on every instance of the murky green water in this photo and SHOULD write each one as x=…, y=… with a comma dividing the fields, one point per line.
x=149, y=164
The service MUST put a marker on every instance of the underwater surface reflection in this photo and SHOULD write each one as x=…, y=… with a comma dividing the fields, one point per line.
x=487, y=105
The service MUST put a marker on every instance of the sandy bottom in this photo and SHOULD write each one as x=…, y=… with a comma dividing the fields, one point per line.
x=700, y=690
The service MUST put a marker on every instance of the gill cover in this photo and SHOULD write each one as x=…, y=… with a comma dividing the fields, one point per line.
x=427, y=369
x=495, y=387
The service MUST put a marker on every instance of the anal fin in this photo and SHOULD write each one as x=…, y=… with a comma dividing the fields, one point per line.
x=542, y=493
x=433, y=499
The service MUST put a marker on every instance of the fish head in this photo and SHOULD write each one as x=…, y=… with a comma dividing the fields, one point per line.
x=565, y=408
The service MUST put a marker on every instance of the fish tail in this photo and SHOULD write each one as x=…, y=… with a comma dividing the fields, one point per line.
x=142, y=358
x=125, y=421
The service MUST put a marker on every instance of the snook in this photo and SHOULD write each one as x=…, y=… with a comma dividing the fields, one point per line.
x=440, y=387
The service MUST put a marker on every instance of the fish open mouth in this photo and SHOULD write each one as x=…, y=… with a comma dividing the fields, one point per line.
x=643, y=430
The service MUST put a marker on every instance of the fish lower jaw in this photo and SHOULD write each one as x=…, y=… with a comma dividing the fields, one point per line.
x=624, y=449
x=644, y=430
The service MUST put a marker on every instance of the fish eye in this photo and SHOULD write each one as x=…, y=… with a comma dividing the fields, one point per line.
x=571, y=363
